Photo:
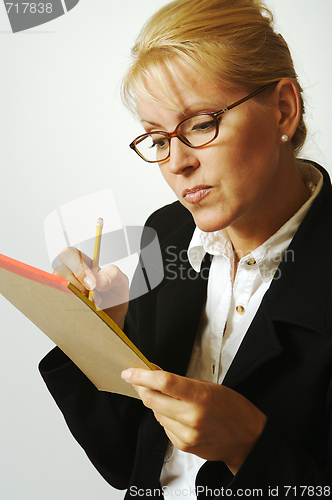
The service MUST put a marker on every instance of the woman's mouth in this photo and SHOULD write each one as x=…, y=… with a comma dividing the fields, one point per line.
x=196, y=194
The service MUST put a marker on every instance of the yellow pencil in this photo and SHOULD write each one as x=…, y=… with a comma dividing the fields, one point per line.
x=96, y=253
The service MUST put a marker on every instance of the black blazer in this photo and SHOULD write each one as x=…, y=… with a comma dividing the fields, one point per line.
x=283, y=366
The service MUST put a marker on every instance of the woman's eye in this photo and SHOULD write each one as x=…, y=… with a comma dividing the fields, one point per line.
x=159, y=144
x=204, y=126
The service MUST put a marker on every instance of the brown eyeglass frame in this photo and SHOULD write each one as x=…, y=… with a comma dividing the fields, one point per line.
x=175, y=133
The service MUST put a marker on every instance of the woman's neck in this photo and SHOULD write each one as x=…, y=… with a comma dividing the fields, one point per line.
x=262, y=223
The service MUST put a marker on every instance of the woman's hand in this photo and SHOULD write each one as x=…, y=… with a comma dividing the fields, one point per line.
x=206, y=419
x=110, y=285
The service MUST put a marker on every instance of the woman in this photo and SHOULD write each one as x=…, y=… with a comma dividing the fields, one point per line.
x=218, y=97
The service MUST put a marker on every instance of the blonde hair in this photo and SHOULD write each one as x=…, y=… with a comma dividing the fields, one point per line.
x=231, y=42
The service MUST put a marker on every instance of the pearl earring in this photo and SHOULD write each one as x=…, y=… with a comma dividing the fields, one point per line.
x=284, y=138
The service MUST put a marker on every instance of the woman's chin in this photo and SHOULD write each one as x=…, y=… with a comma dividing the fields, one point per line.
x=209, y=223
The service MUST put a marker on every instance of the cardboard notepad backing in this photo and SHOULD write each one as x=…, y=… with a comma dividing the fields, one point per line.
x=81, y=330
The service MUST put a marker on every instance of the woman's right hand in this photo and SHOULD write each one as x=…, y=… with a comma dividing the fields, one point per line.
x=110, y=285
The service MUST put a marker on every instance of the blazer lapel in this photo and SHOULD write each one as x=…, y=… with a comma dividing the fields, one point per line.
x=259, y=345
x=293, y=299
x=179, y=308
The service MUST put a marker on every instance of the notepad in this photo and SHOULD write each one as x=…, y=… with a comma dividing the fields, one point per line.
x=85, y=333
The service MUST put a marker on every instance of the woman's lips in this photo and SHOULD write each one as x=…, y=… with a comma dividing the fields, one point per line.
x=196, y=194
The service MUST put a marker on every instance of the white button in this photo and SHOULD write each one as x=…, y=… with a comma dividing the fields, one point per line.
x=240, y=310
x=251, y=262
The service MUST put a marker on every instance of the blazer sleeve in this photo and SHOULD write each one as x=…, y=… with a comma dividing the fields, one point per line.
x=109, y=427
x=104, y=424
x=274, y=467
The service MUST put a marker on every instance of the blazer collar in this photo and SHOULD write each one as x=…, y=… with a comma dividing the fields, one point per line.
x=302, y=294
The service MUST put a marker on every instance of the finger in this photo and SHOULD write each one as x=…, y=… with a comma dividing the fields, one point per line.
x=167, y=410
x=66, y=273
x=156, y=401
x=178, y=418
x=156, y=366
x=181, y=440
x=111, y=277
x=114, y=287
x=79, y=264
x=167, y=383
x=175, y=416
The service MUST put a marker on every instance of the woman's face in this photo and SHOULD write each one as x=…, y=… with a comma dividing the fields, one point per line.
x=237, y=179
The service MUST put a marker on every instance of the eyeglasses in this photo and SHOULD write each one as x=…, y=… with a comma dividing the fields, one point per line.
x=195, y=132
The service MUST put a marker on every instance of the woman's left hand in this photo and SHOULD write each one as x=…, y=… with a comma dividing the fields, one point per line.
x=199, y=417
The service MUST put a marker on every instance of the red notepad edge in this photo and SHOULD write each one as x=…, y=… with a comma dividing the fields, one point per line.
x=34, y=274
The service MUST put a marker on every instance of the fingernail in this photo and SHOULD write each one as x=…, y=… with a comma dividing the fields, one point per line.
x=126, y=375
x=103, y=281
x=89, y=283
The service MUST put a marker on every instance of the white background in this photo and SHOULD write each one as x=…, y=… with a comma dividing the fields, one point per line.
x=65, y=134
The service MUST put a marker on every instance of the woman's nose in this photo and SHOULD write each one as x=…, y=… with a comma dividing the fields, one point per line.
x=182, y=157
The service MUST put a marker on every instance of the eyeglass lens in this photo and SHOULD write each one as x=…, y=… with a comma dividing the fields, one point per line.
x=196, y=131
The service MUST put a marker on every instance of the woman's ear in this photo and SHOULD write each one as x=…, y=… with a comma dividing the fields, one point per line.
x=289, y=107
